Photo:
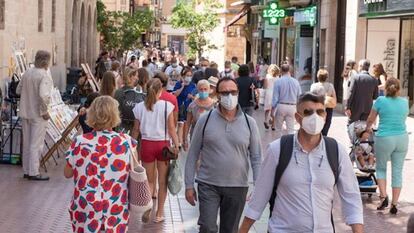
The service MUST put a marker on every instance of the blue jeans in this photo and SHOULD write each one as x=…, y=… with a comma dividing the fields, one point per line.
x=394, y=149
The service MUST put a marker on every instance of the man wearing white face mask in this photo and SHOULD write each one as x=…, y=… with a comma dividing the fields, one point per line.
x=298, y=178
x=225, y=140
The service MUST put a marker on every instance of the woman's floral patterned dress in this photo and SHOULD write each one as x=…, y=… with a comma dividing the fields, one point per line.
x=100, y=163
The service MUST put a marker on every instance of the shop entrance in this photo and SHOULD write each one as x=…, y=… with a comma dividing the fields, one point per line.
x=406, y=69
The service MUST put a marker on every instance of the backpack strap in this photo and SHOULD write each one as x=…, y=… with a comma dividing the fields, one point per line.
x=333, y=155
x=333, y=158
x=204, y=128
x=247, y=121
x=286, y=150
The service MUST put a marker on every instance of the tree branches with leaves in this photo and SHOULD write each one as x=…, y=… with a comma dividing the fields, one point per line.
x=197, y=23
x=121, y=31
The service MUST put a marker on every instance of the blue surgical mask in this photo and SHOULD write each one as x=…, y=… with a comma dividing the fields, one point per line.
x=203, y=95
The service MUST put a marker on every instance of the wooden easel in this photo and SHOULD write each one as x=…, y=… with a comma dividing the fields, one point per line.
x=61, y=142
x=91, y=79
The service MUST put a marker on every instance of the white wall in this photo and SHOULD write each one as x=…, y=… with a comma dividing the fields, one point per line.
x=383, y=43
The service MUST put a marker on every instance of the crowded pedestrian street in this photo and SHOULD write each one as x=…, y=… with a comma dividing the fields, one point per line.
x=43, y=207
x=218, y=116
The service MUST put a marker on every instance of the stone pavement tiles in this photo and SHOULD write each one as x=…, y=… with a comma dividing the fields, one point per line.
x=41, y=207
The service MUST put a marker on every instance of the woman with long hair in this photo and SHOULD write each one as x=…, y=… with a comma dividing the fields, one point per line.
x=155, y=122
x=272, y=75
x=143, y=78
x=380, y=74
x=108, y=84
x=391, y=140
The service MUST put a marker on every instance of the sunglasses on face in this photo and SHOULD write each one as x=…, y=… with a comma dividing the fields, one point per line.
x=226, y=93
x=309, y=112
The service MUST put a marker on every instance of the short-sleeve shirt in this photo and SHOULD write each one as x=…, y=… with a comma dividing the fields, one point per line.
x=100, y=163
x=392, y=113
x=170, y=98
x=245, y=92
x=153, y=123
x=183, y=97
x=323, y=89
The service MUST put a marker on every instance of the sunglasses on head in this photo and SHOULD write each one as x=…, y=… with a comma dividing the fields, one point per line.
x=309, y=112
x=226, y=93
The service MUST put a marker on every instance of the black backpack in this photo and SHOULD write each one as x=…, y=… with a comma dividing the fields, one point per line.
x=286, y=150
x=130, y=98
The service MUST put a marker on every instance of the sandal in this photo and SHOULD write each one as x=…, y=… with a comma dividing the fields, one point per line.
x=393, y=209
x=159, y=219
x=384, y=203
x=146, y=216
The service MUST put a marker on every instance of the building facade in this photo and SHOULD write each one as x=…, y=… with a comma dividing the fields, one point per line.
x=384, y=33
x=65, y=28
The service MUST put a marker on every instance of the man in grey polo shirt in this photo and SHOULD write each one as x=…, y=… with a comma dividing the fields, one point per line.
x=225, y=140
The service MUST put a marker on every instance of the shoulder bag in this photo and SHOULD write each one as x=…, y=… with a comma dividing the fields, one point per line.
x=140, y=200
x=167, y=152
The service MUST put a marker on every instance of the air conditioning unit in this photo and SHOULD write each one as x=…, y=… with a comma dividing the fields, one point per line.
x=299, y=2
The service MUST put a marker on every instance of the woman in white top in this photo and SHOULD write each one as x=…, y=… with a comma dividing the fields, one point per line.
x=155, y=122
x=272, y=74
x=326, y=89
x=348, y=75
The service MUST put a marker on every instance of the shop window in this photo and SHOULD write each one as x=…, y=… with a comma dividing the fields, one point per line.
x=53, y=15
x=407, y=59
x=40, y=15
x=2, y=13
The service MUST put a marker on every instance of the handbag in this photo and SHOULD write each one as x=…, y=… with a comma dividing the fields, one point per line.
x=167, y=152
x=175, y=178
x=330, y=102
x=139, y=193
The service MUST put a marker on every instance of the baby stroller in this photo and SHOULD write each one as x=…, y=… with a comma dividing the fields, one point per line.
x=365, y=175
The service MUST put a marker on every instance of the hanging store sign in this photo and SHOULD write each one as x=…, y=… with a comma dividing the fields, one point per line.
x=273, y=13
x=306, y=16
x=372, y=1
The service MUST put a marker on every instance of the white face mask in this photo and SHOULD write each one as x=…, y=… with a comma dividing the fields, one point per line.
x=188, y=79
x=313, y=124
x=229, y=102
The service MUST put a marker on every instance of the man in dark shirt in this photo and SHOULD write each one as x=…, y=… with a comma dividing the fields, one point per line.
x=364, y=90
x=200, y=74
x=247, y=88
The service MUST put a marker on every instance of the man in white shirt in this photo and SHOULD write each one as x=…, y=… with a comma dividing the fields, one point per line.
x=35, y=90
x=303, y=197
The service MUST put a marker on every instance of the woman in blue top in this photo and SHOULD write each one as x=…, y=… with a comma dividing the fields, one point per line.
x=391, y=140
x=185, y=90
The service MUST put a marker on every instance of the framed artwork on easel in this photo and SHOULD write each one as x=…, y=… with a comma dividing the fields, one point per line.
x=21, y=62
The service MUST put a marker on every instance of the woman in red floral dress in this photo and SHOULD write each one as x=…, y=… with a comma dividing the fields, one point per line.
x=99, y=165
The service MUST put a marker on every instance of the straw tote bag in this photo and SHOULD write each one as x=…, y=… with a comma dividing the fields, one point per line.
x=140, y=200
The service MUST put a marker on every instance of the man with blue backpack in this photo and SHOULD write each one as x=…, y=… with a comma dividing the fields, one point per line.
x=299, y=176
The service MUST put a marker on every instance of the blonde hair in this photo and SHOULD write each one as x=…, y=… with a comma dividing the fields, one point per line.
x=273, y=70
x=128, y=73
x=203, y=82
x=154, y=87
x=322, y=75
x=103, y=113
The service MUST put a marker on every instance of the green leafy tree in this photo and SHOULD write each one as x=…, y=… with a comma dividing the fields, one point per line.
x=197, y=23
x=121, y=31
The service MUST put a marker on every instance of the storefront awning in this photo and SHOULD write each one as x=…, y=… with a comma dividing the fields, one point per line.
x=239, y=15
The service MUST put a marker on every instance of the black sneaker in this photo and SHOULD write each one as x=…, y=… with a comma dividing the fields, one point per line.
x=39, y=178
x=25, y=176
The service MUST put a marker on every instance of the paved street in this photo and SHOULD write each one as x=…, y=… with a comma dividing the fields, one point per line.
x=32, y=207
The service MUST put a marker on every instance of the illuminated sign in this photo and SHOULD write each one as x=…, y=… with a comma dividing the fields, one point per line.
x=273, y=13
x=372, y=1
x=306, y=16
